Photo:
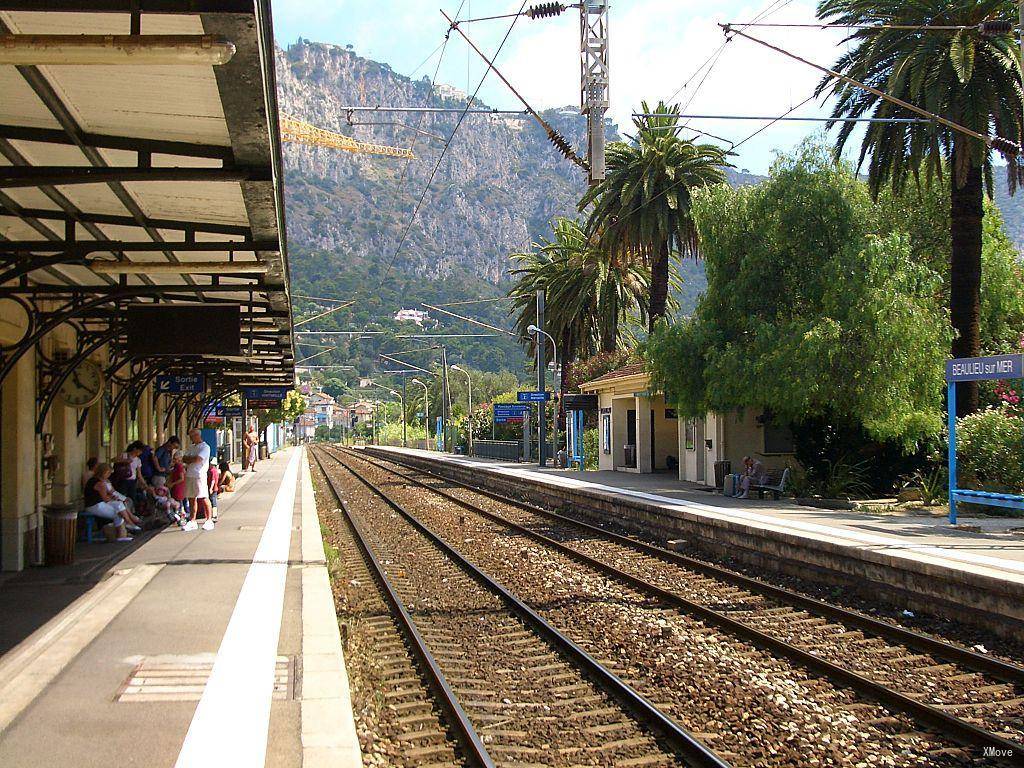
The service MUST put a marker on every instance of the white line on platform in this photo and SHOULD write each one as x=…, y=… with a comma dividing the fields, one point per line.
x=232, y=721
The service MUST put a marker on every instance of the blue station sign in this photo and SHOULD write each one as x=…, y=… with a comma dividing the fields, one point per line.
x=180, y=383
x=230, y=411
x=265, y=393
x=533, y=397
x=982, y=368
x=509, y=412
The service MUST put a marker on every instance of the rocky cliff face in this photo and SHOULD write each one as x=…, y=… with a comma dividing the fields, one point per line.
x=495, y=192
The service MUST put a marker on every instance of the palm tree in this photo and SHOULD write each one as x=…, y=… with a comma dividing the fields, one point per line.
x=589, y=295
x=642, y=207
x=971, y=78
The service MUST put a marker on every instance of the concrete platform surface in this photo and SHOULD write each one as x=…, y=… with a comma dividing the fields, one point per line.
x=190, y=651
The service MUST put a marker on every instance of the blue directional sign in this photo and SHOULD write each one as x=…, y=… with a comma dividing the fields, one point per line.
x=180, y=383
x=264, y=393
x=230, y=411
x=980, y=368
x=506, y=412
x=533, y=397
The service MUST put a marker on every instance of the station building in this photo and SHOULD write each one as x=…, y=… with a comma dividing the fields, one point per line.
x=132, y=178
x=639, y=432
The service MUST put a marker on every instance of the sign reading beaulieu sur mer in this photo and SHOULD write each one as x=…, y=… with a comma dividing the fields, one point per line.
x=980, y=368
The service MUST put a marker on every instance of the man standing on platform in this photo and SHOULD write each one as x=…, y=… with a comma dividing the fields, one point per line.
x=197, y=464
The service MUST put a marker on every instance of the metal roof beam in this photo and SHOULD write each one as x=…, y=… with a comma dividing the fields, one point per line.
x=127, y=143
x=189, y=227
x=85, y=247
x=60, y=175
x=128, y=6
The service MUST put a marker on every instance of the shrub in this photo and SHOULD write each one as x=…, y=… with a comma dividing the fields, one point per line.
x=590, y=449
x=990, y=451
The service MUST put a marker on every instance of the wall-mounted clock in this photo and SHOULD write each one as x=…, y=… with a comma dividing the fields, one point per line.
x=84, y=386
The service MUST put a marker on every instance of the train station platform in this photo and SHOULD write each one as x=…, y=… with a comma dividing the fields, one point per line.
x=974, y=572
x=201, y=648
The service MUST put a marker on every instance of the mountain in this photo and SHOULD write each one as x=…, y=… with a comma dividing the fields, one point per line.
x=1012, y=208
x=494, y=193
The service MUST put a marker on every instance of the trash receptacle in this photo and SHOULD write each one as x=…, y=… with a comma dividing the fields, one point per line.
x=722, y=468
x=60, y=529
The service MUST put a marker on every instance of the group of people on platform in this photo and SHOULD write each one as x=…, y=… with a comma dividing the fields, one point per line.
x=144, y=488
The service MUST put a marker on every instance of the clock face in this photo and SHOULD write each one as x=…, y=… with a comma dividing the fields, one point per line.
x=84, y=386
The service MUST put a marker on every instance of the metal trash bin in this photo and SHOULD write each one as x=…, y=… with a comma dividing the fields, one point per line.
x=60, y=530
x=722, y=468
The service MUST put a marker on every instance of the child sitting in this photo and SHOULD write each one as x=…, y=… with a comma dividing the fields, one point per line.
x=165, y=504
x=227, y=480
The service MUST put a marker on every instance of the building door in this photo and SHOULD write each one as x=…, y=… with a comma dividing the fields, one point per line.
x=701, y=451
x=630, y=453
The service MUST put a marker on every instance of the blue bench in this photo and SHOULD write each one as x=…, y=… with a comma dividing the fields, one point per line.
x=989, y=498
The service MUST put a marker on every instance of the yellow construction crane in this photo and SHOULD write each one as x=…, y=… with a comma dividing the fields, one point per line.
x=293, y=129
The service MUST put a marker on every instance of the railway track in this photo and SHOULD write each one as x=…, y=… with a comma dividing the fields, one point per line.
x=529, y=695
x=952, y=692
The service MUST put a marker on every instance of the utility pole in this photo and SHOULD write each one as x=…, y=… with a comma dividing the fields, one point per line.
x=594, y=81
x=445, y=401
x=405, y=440
x=542, y=365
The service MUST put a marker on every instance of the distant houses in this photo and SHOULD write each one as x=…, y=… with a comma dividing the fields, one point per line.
x=418, y=316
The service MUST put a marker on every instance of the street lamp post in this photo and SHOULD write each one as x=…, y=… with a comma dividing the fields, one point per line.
x=426, y=409
x=469, y=382
x=533, y=330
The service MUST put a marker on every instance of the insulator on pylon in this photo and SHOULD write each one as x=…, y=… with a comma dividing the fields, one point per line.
x=560, y=143
x=545, y=10
x=995, y=27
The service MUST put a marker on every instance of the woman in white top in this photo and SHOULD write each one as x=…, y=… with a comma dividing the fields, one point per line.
x=100, y=502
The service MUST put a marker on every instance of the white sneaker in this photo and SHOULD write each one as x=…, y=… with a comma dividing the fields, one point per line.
x=191, y=525
x=208, y=525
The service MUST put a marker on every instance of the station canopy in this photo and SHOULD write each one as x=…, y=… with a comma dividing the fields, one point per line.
x=150, y=175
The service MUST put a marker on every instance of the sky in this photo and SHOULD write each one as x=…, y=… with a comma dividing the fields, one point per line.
x=655, y=48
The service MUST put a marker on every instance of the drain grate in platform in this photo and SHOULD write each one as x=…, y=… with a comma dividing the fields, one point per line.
x=183, y=678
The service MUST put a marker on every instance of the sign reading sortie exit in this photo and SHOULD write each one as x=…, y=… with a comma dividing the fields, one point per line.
x=980, y=368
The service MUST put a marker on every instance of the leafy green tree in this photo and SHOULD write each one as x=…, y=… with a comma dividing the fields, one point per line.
x=807, y=313
x=290, y=409
x=590, y=293
x=965, y=76
x=642, y=208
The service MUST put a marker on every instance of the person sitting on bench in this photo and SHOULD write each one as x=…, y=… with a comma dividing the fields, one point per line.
x=100, y=503
x=753, y=474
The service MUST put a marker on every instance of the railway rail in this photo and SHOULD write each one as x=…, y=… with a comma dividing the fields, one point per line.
x=965, y=696
x=529, y=695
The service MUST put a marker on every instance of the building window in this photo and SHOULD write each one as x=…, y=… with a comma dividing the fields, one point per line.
x=606, y=433
x=691, y=434
x=778, y=438
x=670, y=413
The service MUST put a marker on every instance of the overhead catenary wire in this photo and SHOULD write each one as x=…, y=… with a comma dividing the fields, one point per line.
x=774, y=118
x=996, y=142
x=443, y=153
x=997, y=27
x=559, y=141
x=481, y=323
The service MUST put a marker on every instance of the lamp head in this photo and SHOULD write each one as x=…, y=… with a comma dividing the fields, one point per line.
x=532, y=329
x=456, y=368
x=416, y=381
